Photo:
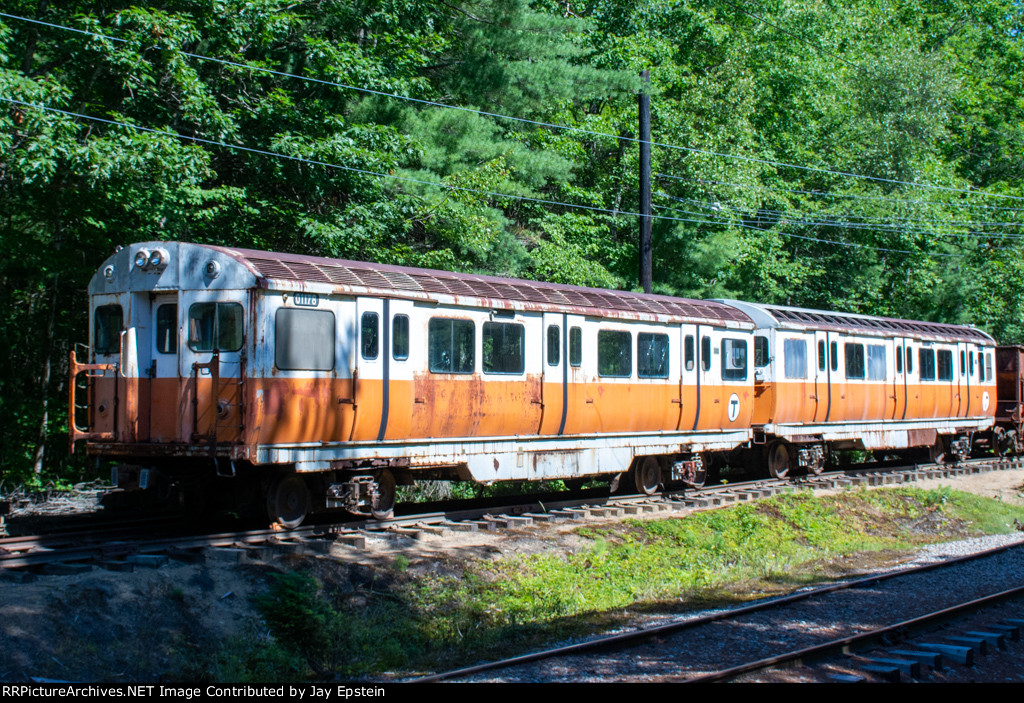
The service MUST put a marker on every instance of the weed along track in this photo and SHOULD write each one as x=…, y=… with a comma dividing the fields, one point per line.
x=441, y=591
x=884, y=616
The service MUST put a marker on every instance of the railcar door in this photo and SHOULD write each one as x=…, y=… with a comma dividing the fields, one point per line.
x=555, y=377
x=899, y=380
x=688, y=402
x=962, y=397
x=163, y=377
x=400, y=355
x=371, y=396
x=822, y=388
x=581, y=354
x=212, y=361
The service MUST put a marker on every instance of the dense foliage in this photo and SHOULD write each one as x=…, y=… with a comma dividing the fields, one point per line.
x=192, y=120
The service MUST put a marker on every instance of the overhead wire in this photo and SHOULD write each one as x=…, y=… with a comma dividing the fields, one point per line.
x=538, y=123
x=450, y=187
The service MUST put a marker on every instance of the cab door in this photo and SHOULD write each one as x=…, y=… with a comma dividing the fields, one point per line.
x=212, y=361
x=163, y=377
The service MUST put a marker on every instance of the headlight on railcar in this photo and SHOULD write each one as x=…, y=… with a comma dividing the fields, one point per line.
x=141, y=258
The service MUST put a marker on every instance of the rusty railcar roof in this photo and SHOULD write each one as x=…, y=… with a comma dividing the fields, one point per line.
x=805, y=318
x=422, y=283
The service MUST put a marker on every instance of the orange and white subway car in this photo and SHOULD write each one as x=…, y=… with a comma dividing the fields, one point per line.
x=827, y=380
x=314, y=377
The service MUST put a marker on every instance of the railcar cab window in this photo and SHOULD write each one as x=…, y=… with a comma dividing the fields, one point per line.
x=734, y=359
x=795, y=351
x=614, y=353
x=854, y=360
x=988, y=366
x=761, y=356
x=876, y=362
x=215, y=326
x=652, y=355
x=504, y=347
x=944, y=364
x=109, y=321
x=167, y=329
x=451, y=345
x=926, y=357
x=575, y=346
x=400, y=337
x=304, y=340
x=369, y=333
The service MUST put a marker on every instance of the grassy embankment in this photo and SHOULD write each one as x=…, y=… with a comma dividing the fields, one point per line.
x=445, y=613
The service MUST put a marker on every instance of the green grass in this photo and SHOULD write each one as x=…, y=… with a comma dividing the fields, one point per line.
x=471, y=610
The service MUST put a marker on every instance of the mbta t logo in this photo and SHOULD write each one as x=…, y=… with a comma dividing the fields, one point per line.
x=734, y=407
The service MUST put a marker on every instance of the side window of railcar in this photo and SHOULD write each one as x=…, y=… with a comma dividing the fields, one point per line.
x=705, y=353
x=795, y=351
x=554, y=345
x=304, y=339
x=215, y=326
x=876, y=362
x=944, y=363
x=400, y=337
x=988, y=367
x=504, y=347
x=369, y=332
x=833, y=352
x=652, y=355
x=167, y=329
x=854, y=360
x=109, y=321
x=761, y=356
x=734, y=359
x=926, y=357
x=899, y=359
x=963, y=363
x=452, y=345
x=910, y=359
x=821, y=355
x=689, y=352
x=614, y=353
x=575, y=346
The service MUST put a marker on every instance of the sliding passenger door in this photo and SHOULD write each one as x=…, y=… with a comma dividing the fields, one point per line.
x=555, y=376
x=822, y=389
x=368, y=387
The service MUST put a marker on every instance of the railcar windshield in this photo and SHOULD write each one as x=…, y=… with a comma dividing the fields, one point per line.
x=109, y=321
x=215, y=326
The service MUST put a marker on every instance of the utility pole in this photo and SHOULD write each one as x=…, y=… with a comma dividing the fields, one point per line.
x=644, y=102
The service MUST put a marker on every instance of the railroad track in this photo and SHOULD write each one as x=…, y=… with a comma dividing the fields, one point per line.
x=818, y=629
x=124, y=547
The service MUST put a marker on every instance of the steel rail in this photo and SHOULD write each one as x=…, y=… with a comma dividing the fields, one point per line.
x=828, y=648
x=635, y=636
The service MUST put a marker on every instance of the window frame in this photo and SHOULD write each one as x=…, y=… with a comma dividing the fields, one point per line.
x=490, y=326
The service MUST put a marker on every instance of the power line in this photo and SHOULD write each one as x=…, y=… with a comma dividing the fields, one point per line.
x=796, y=217
x=827, y=194
x=326, y=164
x=524, y=120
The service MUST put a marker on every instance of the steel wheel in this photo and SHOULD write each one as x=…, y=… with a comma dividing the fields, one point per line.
x=288, y=501
x=779, y=460
x=647, y=476
x=382, y=507
x=937, y=452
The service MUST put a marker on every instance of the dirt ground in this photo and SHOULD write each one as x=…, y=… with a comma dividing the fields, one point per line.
x=169, y=622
